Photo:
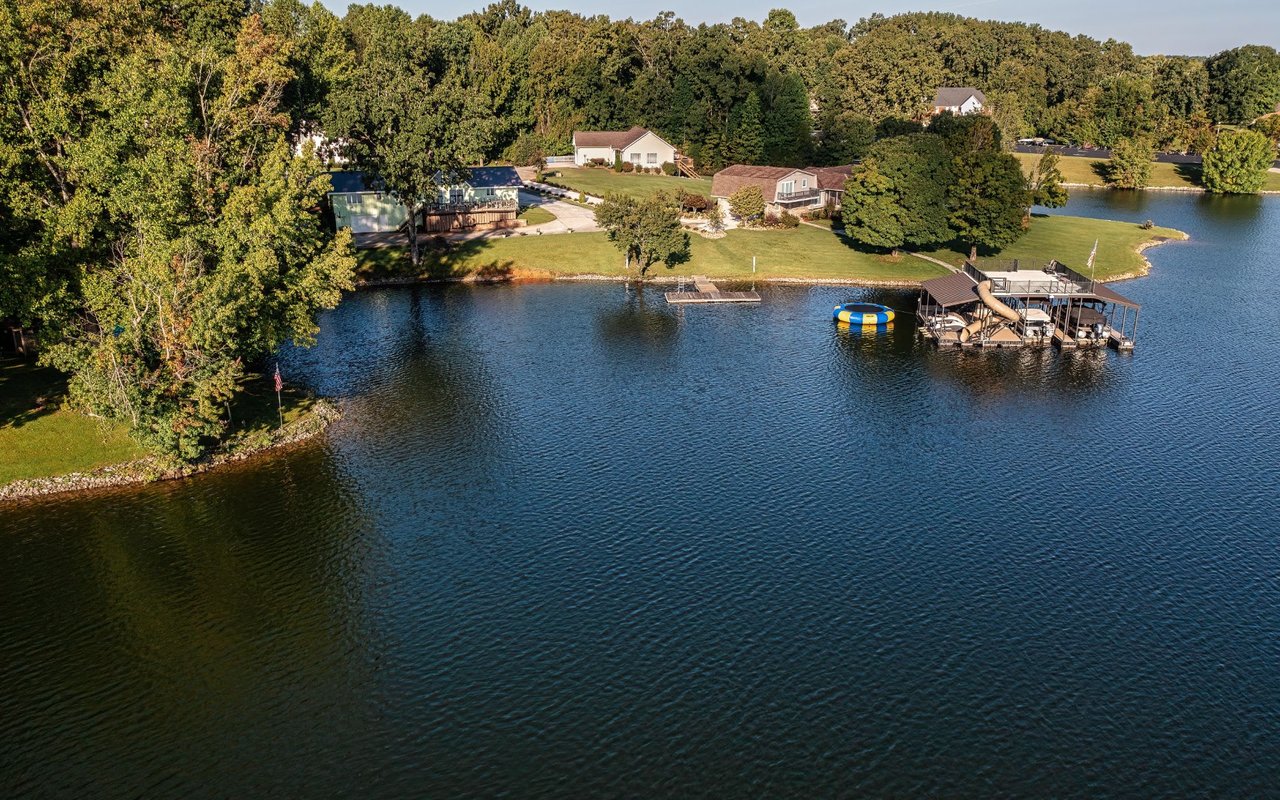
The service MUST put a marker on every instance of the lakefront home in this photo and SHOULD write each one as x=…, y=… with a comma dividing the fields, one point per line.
x=476, y=199
x=639, y=146
x=784, y=188
x=959, y=100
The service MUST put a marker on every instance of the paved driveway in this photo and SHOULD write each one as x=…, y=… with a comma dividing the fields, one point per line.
x=569, y=216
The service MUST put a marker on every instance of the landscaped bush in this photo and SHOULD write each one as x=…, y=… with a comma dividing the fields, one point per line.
x=692, y=201
x=668, y=168
x=788, y=220
x=598, y=162
x=627, y=166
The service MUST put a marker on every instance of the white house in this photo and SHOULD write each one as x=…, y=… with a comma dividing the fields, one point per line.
x=959, y=100
x=640, y=146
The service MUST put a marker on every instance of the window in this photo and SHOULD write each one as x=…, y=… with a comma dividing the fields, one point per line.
x=787, y=187
x=635, y=158
x=353, y=199
x=651, y=158
x=804, y=183
x=457, y=194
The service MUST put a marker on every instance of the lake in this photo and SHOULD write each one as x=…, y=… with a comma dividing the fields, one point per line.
x=568, y=541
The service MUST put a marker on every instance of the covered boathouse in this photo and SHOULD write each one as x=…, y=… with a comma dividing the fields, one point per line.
x=1004, y=304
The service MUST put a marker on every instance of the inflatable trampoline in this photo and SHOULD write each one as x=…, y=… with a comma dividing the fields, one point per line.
x=863, y=314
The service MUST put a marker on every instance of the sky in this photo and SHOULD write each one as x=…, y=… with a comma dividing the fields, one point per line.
x=1171, y=27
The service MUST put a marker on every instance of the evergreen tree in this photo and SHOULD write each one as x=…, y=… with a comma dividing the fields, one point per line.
x=745, y=137
x=788, y=130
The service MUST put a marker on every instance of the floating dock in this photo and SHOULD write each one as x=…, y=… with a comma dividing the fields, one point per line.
x=1003, y=304
x=704, y=291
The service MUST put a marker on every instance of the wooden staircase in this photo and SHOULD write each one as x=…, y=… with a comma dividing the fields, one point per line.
x=685, y=165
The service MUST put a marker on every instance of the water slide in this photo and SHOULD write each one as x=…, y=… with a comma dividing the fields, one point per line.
x=991, y=302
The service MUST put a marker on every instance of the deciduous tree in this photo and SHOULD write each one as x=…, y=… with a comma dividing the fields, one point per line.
x=747, y=204
x=989, y=200
x=645, y=230
x=1130, y=165
x=1238, y=162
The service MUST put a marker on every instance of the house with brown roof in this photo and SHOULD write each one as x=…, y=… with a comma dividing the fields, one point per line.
x=784, y=188
x=640, y=146
x=959, y=100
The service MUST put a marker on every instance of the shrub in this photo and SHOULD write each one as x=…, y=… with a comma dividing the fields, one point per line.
x=627, y=166
x=747, y=203
x=788, y=220
x=692, y=201
x=1148, y=225
x=618, y=163
x=598, y=162
x=668, y=168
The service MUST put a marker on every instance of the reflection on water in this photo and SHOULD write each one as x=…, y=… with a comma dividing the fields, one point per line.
x=569, y=540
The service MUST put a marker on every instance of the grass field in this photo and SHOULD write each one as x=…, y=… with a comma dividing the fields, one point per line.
x=1163, y=176
x=536, y=215
x=40, y=437
x=803, y=253
x=1069, y=240
x=603, y=182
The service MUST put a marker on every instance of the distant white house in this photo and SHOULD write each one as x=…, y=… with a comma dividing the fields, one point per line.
x=959, y=100
x=640, y=146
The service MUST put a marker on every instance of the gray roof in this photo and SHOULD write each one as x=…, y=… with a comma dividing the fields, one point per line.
x=483, y=177
x=955, y=289
x=949, y=96
x=348, y=181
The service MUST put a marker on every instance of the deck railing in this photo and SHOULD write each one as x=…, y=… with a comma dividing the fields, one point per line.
x=467, y=207
x=796, y=197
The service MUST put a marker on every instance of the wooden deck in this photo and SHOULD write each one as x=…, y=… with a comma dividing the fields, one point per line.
x=707, y=292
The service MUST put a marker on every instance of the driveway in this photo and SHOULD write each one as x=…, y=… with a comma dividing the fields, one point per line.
x=569, y=216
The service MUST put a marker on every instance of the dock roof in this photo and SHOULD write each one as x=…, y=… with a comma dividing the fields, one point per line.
x=955, y=289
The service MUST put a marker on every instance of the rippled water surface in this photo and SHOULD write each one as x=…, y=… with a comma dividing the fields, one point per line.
x=568, y=541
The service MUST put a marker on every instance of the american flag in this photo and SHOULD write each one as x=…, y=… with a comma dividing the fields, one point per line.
x=1092, y=255
x=279, y=382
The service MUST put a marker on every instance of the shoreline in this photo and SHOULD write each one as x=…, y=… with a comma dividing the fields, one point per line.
x=1183, y=189
x=152, y=470
x=323, y=413
x=546, y=276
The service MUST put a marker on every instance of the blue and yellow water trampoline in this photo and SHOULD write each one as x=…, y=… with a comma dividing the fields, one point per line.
x=863, y=314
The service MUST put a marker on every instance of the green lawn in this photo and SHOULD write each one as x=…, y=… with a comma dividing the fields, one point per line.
x=801, y=253
x=603, y=182
x=40, y=438
x=1069, y=240
x=1163, y=176
x=536, y=215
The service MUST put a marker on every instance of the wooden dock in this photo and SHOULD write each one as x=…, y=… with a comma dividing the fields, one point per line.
x=707, y=292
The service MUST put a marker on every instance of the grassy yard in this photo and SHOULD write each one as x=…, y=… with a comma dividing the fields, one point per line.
x=1069, y=240
x=536, y=215
x=1163, y=176
x=801, y=253
x=40, y=437
x=602, y=182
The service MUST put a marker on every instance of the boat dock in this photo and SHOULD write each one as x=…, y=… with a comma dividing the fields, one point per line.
x=704, y=291
x=1007, y=304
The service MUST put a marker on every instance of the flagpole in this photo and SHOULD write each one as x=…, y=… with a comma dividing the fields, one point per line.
x=279, y=386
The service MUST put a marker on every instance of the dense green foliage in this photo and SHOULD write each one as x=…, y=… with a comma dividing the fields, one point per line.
x=1130, y=165
x=646, y=230
x=747, y=204
x=164, y=234
x=1244, y=83
x=1238, y=162
x=1045, y=182
x=988, y=198
x=898, y=196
